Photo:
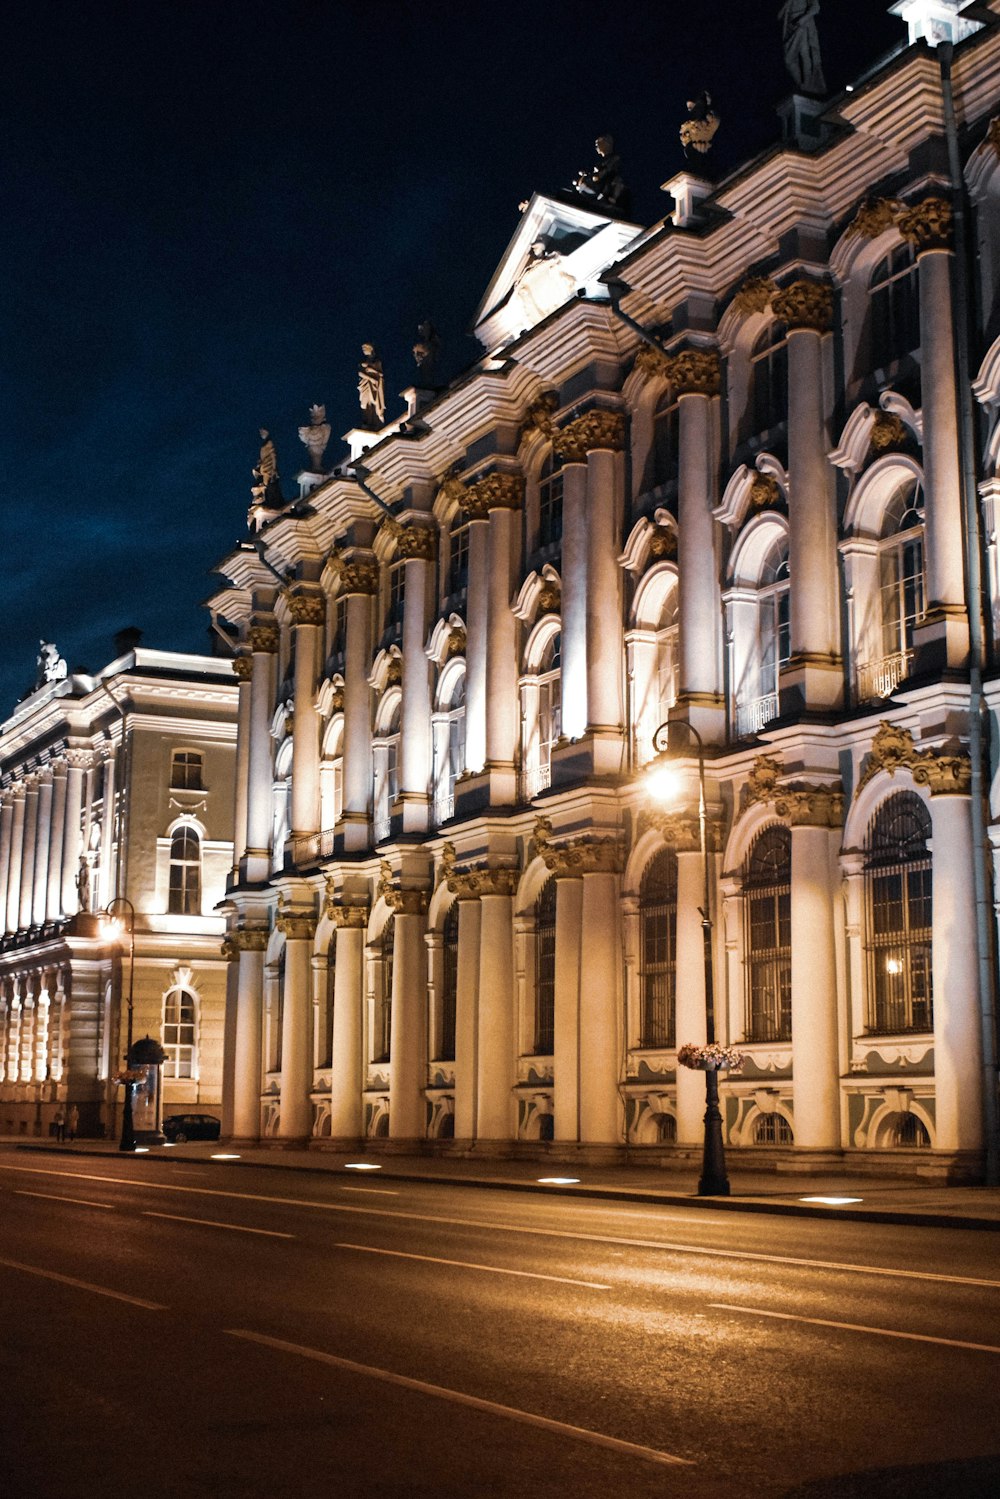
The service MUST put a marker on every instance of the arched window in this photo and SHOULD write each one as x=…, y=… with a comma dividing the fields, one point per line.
x=550, y=503
x=658, y=950
x=449, y=986
x=449, y=732
x=901, y=568
x=767, y=897
x=545, y=970
x=667, y=656
x=184, y=897
x=666, y=439
x=769, y=380
x=907, y=1132
x=549, y=707
x=185, y=770
x=898, y=916
x=386, y=762
x=772, y=1129
x=894, y=308
x=757, y=704
x=382, y=1018
x=179, y=1018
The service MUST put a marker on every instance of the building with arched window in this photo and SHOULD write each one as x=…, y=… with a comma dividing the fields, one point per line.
x=114, y=787
x=711, y=470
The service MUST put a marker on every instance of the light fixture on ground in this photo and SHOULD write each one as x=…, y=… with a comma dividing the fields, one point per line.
x=361, y=1166
x=664, y=783
x=114, y=928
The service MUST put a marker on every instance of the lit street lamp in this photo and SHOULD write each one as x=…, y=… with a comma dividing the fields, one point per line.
x=663, y=784
x=114, y=927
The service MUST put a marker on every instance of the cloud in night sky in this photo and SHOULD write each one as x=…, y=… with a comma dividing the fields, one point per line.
x=209, y=206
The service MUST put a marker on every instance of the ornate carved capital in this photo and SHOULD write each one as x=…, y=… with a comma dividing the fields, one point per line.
x=79, y=759
x=248, y=939
x=762, y=783
x=696, y=372
x=452, y=490
x=264, y=638
x=243, y=667
x=893, y=747
x=887, y=432
x=357, y=575
x=337, y=700
x=577, y=856
x=539, y=415
x=295, y=925
x=679, y=830
x=874, y=217
x=413, y=541
x=595, y=429
x=805, y=304
x=353, y=914
x=764, y=492
x=754, y=295
x=482, y=879
x=497, y=491
x=812, y=806
x=307, y=608
x=927, y=225
x=394, y=672
x=650, y=361
x=403, y=902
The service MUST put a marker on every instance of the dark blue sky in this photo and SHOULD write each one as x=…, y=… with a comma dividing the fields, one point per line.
x=208, y=206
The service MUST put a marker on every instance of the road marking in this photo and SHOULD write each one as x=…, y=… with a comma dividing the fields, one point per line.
x=881, y=1332
x=458, y=1397
x=372, y=1191
x=83, y=1202
x=440, y=1221
x=83, y=1285
x=431, y=1259
x=237, y=1228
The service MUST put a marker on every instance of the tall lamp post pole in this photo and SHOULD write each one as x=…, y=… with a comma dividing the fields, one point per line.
x=713, y=1182
x=115, y=926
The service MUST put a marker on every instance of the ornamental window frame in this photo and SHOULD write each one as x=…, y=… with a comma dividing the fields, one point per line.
x=657, y=910
x=448, y=728
x=185, y=869
x=898, y=918
x=386, y=760
x=541, y=705
x=549, y=504
x=767, y=935
x=758, y=610
x=179, y=1036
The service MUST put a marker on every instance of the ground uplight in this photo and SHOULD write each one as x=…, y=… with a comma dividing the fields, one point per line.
x=833, y=1201
x=558, y=1181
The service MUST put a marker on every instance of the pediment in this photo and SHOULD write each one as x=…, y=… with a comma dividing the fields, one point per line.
x=559, y=248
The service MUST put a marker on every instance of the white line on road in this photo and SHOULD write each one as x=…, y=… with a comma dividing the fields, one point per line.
x=83, y=1285
x=83, y=1202
x=457, y=1397
x=372, y=1191
x=237, y=1228
x=438, y=1220
x=881, y=1332
x=431, y=1259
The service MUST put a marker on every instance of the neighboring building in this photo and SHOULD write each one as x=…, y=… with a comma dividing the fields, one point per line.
x=734, y=497
x=116, y=785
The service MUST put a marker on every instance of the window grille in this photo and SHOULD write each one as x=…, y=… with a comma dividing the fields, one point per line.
x=767, y=896
x=545, y=970
x=658, y=932
x=773, y=1129
x=898, y=917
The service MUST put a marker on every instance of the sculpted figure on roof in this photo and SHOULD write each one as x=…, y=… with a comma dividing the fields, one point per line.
x=801, y=42
x=371, y=388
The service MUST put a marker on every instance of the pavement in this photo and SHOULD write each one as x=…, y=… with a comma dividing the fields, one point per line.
x=866, y=1199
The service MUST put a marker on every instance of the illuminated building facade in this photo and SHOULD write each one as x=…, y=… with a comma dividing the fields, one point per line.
x=711, y=469
x=115, y=787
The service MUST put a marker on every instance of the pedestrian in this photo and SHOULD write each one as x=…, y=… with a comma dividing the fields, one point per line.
x=73, y=1121
x=60, y=1124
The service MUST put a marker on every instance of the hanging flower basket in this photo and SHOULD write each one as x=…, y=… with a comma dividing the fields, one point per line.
x=712, y=1058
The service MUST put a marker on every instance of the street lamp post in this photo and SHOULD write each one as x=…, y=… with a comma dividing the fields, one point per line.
x=114, y=927
x=661, y=783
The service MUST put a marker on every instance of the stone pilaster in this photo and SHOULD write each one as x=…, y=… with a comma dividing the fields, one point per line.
x=14, y=875
x=958, y=1066
x=298, y=929
x=6, y=839
x=308, y=613
x=358, y=584
x=27, y=891
x=502, y=493
x=40, y=880
x=467, y=1060
x=347, y=1062
x=815, y=882
x=248, y=945
x=408, y=1030
x=263, y=640
x=243, y=672
x=78, y=762
x=57, y=832
x=417, y=544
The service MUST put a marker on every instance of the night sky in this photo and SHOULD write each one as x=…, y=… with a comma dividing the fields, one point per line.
x=208, y=206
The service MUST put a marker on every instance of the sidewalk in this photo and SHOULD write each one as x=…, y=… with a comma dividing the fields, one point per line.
x=868, y=1199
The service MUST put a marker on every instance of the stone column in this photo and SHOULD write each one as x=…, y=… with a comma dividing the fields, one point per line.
x=695, y=377
x=347, y=1062
x=6, y=841
x=248, y=945
x=467, y=1017
x=475, y=635
x=494, y=1105
x=308, y=612
x=566, y=1060
x=689, y=998
x=502, y=494
x=264, y=647
x=605, y=632
x=77, y=761
x=602, y=1038
x=408, y=1031
x=814, y=677
x=417, y=546
x=358, y=583
x=15, y=872
x=944, y=631
x=42, y=849
x=28, y=852
x=102, y=877
x=295, y=1122
x=53, y=895
x=243, y=672
x=958, y=1067
x=816, y=821
x=573, y=574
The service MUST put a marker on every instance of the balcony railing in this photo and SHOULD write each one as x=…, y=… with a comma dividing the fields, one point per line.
x=536, y=779
x=382, y=824
x=751, y=716
x=444, y=807
x=879, y=679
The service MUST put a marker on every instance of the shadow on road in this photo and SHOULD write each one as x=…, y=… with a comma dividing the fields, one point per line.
x=972, y=1478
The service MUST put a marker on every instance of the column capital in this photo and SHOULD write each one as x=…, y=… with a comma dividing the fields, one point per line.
x=927, y=225
x=696, y=372
x=482, y=879
x=679, y=830
x=79, y=759
x=571, y=857
x=344, y=913
x=754, y=294
x=500, y=490
x=597, y=428
x=245, y=939
x=650, y=361
x=295, y=925
x=893, y=748
x=243, y=667
x=408, y=902
x=812, y=806
x=418, y=542
x=358, y=574
x=307, y=608
x=875, y=216
x=805, y=304
x=264, y=639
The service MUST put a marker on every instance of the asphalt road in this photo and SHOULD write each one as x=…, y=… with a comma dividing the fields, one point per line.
x=173, y=1331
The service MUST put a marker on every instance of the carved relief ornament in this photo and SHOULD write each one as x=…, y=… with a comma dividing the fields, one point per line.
x=243, y=667
x=888, y=432
x=245, y=939
x=264, y=638
x=893, y=748
x=754, y=295
x=307, y=608
x=679, y=830
x=927, y=225
x=402, y=902
x=452, y=489
x=595, y=429
x=812, y=806
x=352, y=914
x=650, y=361
x=295, y=925
x=762, y=783
x=456, y=642
x=805, y=304
x=577, y=856
x=662, y=543
x=875, y=216
x=497, y=491
x=482, y=879
x=549, y=597
x=539, y=416
x=696, y=372
x=413, y=541
x=764, y=493
x=359, y=575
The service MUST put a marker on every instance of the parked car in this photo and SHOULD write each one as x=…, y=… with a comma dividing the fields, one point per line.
x=181, y=1127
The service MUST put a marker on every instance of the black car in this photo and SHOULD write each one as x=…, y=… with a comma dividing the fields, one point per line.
x=181, y=1127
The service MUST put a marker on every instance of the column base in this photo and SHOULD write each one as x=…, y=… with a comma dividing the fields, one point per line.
x=411, y=813
x=706, y=712
x=941, y=640
x=493, y=786
x=255, y=867
x=811, y=683
x=357, y=832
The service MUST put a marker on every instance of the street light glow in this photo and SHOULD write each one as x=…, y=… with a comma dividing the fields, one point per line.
x=558, y=1181
x=832, y=1201
x=664, y=784
x=361, y=1166
x=224, y=1156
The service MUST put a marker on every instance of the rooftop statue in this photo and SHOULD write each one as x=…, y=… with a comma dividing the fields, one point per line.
x=51, y=666
x=698, y=130
x=425, y=352
x=316, y=436
x=371, y=388
x=801, y=42
x=266, y=491
x=603, y=182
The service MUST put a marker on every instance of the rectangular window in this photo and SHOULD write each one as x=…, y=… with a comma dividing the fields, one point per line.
x=185, y=771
